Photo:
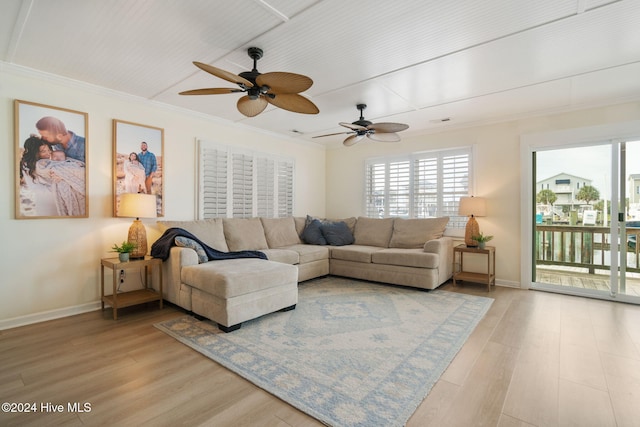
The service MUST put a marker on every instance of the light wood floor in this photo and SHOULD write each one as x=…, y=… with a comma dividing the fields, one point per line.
x=536, y=359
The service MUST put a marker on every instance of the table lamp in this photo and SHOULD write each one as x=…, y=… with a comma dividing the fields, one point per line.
x=472, y=207
x=137, y=205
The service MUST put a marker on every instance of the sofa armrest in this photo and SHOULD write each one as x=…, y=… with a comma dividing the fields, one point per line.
x=178, y=257
x=444, y=248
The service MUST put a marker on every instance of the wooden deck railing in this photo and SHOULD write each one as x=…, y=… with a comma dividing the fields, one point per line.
x=580, y=246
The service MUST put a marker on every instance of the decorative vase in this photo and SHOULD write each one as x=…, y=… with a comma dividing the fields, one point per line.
x=124, y=256
x=481, y=245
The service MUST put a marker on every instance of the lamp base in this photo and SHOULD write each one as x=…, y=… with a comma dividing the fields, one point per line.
x=472, y=229
x=138, y=236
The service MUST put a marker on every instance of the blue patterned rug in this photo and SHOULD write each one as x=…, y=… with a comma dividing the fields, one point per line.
x=352, y=353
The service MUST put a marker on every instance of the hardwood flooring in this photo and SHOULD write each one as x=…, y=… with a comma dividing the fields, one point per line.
x=536, y=359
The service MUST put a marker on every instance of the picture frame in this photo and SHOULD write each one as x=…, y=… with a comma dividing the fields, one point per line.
x=51, y=169
x=128, y=139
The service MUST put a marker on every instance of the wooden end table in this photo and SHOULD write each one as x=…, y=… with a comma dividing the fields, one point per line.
x=125, y=299
x=488, y=278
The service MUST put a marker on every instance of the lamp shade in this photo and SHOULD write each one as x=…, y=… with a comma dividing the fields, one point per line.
x=472, y=206
x=137, y=205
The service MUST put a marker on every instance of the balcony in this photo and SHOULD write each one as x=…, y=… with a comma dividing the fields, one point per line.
x=580, y=256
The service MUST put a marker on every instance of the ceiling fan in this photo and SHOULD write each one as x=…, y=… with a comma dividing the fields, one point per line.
x=384, y=132
x=277, y=88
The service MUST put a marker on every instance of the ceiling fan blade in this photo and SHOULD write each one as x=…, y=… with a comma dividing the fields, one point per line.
x=387, y=127
x=352, y=126
x=251, y=107
x=293, y=102
x=210, y=91
x=225, y=75
x=280, y=82
x=332, y=134
x=353, y=139
x=384, y=136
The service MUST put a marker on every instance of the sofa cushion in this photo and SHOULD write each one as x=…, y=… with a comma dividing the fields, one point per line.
x=209, y=231
x=185, y=242
x=373, y=231
x=244, y=234
x=413, y=233
x=232, y=277
x=406, y=258
x=286, y=256
x=280, y=232
x=309, y=253
x=355, y=253
x=312, y=233
x=337, y=233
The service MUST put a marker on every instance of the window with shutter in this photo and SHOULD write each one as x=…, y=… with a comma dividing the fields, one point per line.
x=242, y=184
x=420, y=185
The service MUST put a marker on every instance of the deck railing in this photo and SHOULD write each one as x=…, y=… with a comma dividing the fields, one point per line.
x=581, y=246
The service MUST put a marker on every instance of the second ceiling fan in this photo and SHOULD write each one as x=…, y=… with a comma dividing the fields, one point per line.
x=277, y=88
x=383, y=132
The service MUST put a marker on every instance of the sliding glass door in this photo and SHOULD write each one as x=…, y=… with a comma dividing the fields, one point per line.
x=584, y=219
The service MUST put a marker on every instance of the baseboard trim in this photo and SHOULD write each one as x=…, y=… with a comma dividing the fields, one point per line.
x=508, y=284
x=29, y=319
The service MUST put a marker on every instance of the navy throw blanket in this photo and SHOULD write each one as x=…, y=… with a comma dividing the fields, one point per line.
x=162, y=247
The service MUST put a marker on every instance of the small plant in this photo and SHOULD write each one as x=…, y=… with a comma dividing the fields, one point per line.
x=125, y=247
x=481, y=238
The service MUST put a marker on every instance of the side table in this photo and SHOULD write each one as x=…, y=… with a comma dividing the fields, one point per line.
x=125, y=299
x=488, y=278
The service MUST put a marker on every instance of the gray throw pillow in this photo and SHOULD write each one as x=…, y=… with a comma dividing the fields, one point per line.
x=337, y=233
x=312, y=233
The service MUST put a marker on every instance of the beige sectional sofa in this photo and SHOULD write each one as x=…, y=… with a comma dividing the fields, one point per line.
x=408, y=252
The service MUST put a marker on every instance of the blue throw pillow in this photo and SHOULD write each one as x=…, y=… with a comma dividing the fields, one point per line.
x=185, y=242
x=312, y=233
x=337, y=233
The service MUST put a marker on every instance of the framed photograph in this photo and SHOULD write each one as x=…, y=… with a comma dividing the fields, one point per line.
x=137, y=162
x=51, y=161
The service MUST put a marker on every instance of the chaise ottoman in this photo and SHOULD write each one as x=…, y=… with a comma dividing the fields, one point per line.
x=232, y=291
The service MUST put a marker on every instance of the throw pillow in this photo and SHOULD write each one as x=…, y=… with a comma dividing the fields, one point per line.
x=312, y=233
x=185, y=242
x=337, y=233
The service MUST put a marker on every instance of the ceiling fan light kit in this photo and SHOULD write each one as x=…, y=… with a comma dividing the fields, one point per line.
x=279, y=89
x=382, y=132
x=282, y=90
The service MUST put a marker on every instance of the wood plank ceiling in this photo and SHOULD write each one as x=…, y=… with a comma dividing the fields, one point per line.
x=411, y=61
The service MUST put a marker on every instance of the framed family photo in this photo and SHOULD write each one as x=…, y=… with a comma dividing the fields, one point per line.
x=50, y=161
x=137, y=162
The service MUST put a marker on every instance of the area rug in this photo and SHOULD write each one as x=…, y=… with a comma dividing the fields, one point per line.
x=352, y=353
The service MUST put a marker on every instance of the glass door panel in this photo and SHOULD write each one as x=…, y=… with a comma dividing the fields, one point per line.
x=587, y=220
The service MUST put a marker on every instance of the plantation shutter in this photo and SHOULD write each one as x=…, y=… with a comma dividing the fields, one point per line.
x=375, y=190
x=420, y=185
x=399, y=189
x=285, y=188
x=242, y=184
x=213, y=183
x=266, y=187
x=455, y=180
x=426, y=187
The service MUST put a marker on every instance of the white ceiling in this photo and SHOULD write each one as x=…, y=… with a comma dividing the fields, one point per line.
x=411, y=61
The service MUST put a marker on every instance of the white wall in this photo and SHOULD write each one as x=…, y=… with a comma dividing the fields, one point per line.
x=497, y=172
x=51, y=267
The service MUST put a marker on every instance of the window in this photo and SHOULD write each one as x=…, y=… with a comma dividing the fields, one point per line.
x=242, y=184
x=419, y=185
